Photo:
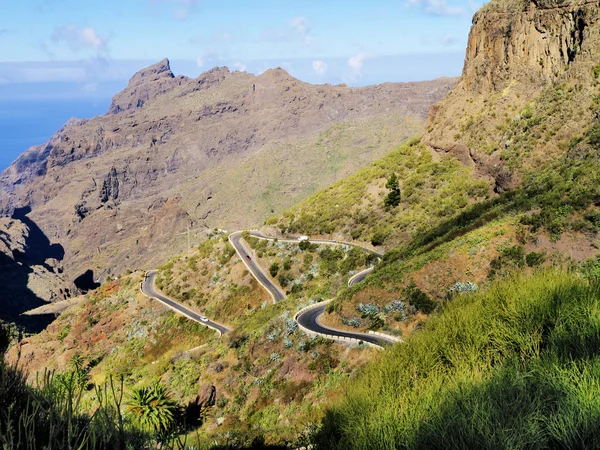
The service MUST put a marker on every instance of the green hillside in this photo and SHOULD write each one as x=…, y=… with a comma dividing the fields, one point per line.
x=515, y=367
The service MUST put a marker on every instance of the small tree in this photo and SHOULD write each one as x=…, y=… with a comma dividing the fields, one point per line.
x=152, y=408
x=393, y=198
x=273, y=269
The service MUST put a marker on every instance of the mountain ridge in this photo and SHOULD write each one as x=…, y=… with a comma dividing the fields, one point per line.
x=174, y=153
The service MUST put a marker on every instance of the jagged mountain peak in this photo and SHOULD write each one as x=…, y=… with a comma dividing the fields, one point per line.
x=161, y=69
x=145, y=84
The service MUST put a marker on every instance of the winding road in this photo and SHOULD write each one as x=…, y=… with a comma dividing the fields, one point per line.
x=254, y=268
x=308, y=318
x=149, y=290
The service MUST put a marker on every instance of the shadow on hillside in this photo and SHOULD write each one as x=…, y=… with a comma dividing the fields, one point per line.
x=475, y=216
x=15, y=295
x=85, y=282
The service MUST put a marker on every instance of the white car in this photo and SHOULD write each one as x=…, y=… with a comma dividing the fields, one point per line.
x=303, y=238
x=203, y=319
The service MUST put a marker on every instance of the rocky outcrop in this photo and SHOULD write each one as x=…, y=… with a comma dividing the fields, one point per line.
x=145, y=85
x=518, y=52
x=120, y=191
x=533, y=42
x=30, y=272
x=207, y=396
x=110, y=187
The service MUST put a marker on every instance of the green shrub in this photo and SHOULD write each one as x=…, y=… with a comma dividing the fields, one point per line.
x=535, y=259
x=419, y=299
x=378, y=239
x=517, y=366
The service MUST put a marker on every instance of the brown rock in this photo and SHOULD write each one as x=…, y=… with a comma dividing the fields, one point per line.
x=207, y=396
x=119, y=190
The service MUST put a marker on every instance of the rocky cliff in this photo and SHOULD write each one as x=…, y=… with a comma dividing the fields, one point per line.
x=31, y=271
x=523, y=58
x=177, y=156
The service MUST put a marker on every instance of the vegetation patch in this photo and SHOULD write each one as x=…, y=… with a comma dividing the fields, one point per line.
x=517, y=364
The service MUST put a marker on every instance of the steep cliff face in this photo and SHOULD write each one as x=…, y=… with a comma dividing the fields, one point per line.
x=517, y=53
x=31, y=271
x=226, y=149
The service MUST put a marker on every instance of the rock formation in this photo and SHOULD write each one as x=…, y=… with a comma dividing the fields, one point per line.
x=176, y=156
x=516, y=52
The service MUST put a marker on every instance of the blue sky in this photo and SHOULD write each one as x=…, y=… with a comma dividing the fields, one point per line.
x=90, y=48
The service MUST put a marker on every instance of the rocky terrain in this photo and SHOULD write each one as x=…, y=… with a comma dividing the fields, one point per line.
x=176, y=156
x=491, y=267
x=31, y=271
x=529, y=63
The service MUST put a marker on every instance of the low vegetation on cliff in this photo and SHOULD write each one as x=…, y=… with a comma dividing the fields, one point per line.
x=514, y=367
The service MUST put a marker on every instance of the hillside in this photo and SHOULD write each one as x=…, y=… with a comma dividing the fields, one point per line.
x=176, y=157
x=489, y=225
x=31, y=272
x=508, y=160
x=270, y=382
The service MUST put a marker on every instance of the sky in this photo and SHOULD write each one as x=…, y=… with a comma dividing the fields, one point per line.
x=87, y=49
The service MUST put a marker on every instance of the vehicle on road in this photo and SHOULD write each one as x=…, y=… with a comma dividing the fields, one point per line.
x=203, y=319
x=248, y=257
x=303, y=238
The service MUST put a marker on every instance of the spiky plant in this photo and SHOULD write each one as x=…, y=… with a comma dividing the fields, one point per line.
x=152, y=407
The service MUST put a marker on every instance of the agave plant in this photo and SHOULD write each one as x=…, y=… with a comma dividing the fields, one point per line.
x=152, y=407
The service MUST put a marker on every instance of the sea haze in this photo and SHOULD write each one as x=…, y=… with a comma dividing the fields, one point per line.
x=24, y=123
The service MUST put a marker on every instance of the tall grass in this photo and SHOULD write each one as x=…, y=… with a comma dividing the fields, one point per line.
x=515, y=367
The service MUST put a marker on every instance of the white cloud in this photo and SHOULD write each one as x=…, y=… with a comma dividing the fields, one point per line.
x=89, y=88
x=297, y=28
x=240, y=66
x=302, y=29
x=437, y=7
x=207, y=58
x=80, y=38
x=357, y=62
x=224, y=37
x=182, y=8
x=319, y=67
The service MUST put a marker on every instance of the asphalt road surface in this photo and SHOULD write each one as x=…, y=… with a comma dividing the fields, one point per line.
x=149, y=290
x=310, y=319
x=359, y=276
x=317, y=241
x=254, y=268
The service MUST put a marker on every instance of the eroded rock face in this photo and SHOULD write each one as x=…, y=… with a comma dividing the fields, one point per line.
x=145, y=85
x=517, y=50
x=227, y=149
x=30, y=272
x=532, y=42
x=207, y=396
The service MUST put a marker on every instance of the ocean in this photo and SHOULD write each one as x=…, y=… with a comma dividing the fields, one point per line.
x=24, y=123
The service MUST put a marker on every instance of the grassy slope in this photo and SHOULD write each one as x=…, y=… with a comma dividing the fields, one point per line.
x=431, y=191
x=448, y=229
x=515, y=367
x=272, y=381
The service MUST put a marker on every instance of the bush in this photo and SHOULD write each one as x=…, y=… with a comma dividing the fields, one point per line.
x=534, y=259
x=419, y=299
x=273, y=269
x=393, y=198
x=152, y=408
x=378, y=239
x=517, y=366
